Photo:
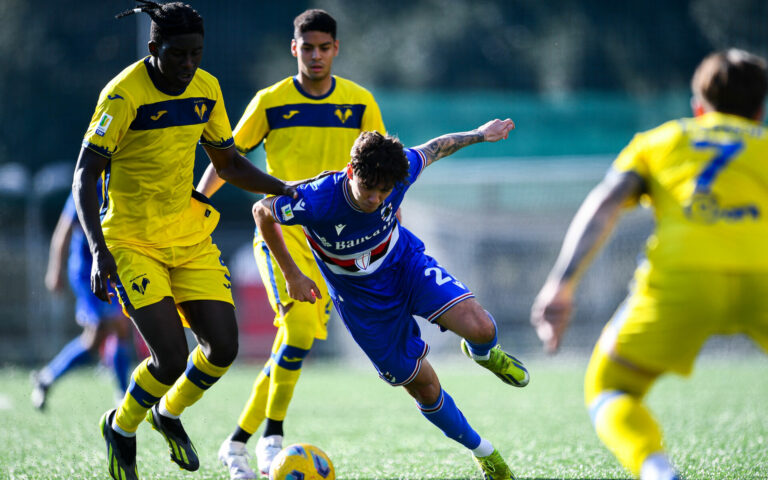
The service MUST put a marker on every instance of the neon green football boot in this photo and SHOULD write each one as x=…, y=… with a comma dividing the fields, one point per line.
x=494, y=467
x=183, y=452
x=121, y=451
x=509, y=369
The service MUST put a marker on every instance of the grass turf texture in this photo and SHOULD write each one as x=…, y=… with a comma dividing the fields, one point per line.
x=716, y=423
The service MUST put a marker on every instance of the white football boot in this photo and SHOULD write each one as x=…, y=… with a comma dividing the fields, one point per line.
x=234, y=456
x=267, y=449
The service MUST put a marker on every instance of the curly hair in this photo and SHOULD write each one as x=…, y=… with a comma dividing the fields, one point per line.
x=168, y=19
x=732, y=81
x=379, y=160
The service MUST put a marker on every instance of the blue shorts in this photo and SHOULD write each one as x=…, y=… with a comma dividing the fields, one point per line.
x=89, y=310
x=378, y=311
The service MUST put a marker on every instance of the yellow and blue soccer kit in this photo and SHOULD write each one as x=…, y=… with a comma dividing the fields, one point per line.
x=156, y=226
x=302, y=135
x=704, y=273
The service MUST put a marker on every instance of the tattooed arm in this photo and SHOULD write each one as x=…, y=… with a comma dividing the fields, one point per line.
x=445, y=145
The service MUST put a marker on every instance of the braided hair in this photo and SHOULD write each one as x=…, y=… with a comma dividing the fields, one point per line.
x=168, y=19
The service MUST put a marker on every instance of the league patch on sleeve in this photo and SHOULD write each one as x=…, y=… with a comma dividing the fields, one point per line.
x=287, y=212
x=103, y=125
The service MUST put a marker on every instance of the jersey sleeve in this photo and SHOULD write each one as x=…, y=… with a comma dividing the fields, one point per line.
x=113, y=116
x=372, y=117
x=632, y=158
x=417, y=162
x=218, y=132
x=293, y=211
x=253, y=126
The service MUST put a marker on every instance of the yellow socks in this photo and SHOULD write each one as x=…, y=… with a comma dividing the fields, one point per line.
x=627, y=428
x=143, y=392
x=198, y=378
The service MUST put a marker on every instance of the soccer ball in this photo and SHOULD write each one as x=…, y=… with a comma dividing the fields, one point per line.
x=301, y=461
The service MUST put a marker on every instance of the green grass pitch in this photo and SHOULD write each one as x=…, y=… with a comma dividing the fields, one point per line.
x=716, y=423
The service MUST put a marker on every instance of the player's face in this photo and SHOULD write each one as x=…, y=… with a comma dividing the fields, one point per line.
x=315, y=52
x=177, y=58
x=368, y=199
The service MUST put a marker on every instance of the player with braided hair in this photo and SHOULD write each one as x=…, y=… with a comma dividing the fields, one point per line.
x=151, y=235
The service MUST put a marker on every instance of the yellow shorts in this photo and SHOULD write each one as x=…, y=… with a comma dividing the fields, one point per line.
x=668, y=316
x=148, y=274
x=277, y=292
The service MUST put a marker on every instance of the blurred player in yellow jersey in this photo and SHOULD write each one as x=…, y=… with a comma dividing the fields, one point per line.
x=706, y=271
x=151, y=235
x=308, y=124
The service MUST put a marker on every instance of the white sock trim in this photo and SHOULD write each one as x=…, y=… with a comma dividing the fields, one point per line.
x=163, y=410
x=481, y=357
x=657, y=467
x=271, y=440
x=484, y=449
x=119, y=430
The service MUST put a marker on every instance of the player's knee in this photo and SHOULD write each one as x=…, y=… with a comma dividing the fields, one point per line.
x=169, y=366
x=481, y=327
x=222, y=353
x=424, y=393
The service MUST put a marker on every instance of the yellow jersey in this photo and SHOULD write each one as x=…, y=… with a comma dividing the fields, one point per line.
x=303, y=134
x=707, y=180
x=150, y=136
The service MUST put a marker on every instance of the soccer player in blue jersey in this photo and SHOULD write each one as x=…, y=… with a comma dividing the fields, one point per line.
x=307, y=124
x=706, y=266
x=69, y=256
x=379, y=277
x=152, y=235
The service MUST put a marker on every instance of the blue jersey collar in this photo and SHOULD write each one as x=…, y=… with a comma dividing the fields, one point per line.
x=314, y=97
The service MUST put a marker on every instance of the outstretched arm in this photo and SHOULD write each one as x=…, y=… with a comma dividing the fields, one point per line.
x=591, y=226
x=210, y=182
x=233, y=168
x=450, y=143
x=300, y=287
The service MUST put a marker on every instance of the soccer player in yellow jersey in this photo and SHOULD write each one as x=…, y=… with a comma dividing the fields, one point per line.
x=307, y=124
x=151, y=237
x=706, y=270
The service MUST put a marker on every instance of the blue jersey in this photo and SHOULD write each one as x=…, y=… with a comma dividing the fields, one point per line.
x=88, y=308
x=377, y=273
x=351, y=247
x=79, y=261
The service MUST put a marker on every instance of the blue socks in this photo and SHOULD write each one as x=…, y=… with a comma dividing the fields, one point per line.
x=446, y=416
x=121, y=364
x=74, y=354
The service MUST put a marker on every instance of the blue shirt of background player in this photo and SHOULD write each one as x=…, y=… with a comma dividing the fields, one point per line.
x=79, y=262
x=357, y=252
x=88, y=308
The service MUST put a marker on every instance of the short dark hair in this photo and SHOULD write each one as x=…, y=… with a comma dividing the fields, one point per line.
x=732, y=81
x=379, y=160
x=314, y=20
x=168, y=19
